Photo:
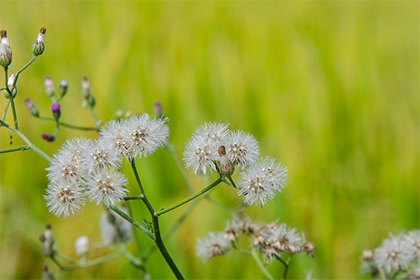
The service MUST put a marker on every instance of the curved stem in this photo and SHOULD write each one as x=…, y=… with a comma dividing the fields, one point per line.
x=261, y=265
x=188, y=199
x=155, y=221
x=26, y=140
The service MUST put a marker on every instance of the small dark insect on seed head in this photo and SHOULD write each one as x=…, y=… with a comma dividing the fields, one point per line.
x=222, y=151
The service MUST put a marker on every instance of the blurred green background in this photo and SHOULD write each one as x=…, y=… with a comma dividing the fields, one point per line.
x=331, y=89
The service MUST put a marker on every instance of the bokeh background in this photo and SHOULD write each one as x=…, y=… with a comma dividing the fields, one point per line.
x=331, y=89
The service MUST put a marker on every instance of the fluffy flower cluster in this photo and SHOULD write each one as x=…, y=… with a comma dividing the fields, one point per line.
x=83, y=167
x=397, y=254
x=213, y=146
x=270, y=239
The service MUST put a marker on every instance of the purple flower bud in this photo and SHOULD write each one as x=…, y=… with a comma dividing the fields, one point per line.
x=62, y=90
x=31, y=107
x=55, y=108
x=48, y=137
x=49, y=86
x=158, y=108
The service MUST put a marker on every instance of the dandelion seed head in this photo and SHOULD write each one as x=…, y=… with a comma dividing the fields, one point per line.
x=107, y=186
x=146, y=134
x=212, y=245
x=101, y=156
x=113, y=135
x=389, y=255
x=62, y=199
x=242, y=148
x=262, y=180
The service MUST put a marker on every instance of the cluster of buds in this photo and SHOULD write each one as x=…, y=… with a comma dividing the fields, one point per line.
x=38, y=47
x=88, y=100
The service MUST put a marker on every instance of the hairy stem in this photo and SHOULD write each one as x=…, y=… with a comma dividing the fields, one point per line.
x=188, y=199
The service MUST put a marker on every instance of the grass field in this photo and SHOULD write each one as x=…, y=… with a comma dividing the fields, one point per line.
x=331, y=89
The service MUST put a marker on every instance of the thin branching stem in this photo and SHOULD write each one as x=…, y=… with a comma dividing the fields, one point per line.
x=156, y=230
x=68, y=125
x=26, y=140
x=6, y=108
x=188, y=199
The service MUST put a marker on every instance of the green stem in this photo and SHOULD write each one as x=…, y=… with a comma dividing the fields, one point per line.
x=133, y=222
x=171, y=149
x=133, y=197
x=136, y=236
x=26, y=140
x=155, y=221
x=12, y=99
x=172, y=228
x=94, y=118
x=14, y=149
x=78, y=265
x=261, y=265
x=68, y=125
x=22, y=69
x=286, y=264
x=188, y=199
x=6, y=108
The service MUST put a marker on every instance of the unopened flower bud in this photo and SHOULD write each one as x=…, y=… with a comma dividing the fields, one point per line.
x=38, y=46
x=46, y=275
x=91, y=102
x=47, y=241
x=367, y=255
x=5, y=50
x=48, y=137
x=85, y=88
x=309, y=248
x=128, y=114
x=226, y=166
x=31, y=107
x=62, y=88
x=158, y=109
x=81, y=246
x=119, y=114
x=55, y=109
x=49, y=86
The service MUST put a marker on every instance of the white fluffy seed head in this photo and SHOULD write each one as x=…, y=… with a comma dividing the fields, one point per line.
x=262, y=180
x=202, y=148
x=100, y=155
x=68, y=163
x=212, y=245
x=63, y=199
x=242, y=148
x=145, y=135
x=107, y=186
x=389, y=256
